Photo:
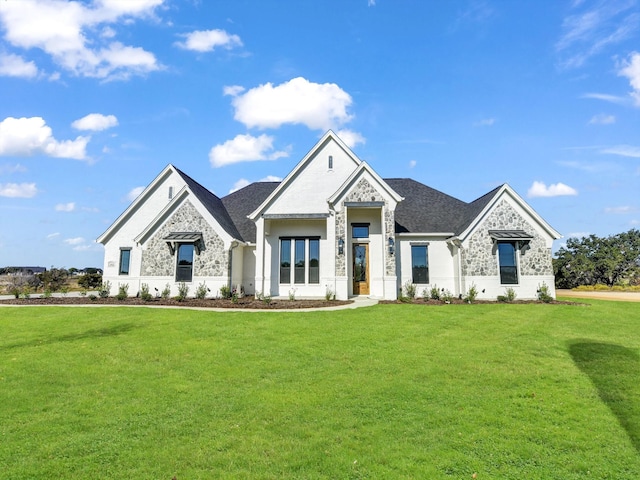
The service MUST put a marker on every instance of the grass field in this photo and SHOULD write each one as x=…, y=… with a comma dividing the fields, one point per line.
x=392, y=391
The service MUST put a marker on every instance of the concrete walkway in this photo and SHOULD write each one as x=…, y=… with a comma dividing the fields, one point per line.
x=358, y=302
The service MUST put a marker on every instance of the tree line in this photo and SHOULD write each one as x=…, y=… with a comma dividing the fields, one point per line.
x=593, y=260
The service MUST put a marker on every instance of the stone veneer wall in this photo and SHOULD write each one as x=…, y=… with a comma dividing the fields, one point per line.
x=213, y=260
x=479, y=260
x=389, y=228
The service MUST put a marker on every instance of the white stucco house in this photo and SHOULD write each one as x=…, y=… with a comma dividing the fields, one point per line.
x=331, y=225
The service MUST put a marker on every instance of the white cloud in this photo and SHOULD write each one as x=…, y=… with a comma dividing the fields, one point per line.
x=53, y=235
x=298, y=101
x=69, y=32
x=485, y=122
x=623, y=151
x=588, y=33
x=95, y=122
x=134, y=193
x=631, y=70
x=621, y=210
x=351, y=138
x=30, y=136
x=18, y=190
x=15, y=66
x=65, y=207
x=539, y=189
x=233, y=90
x=602, y=119
x=208, y=40
x=244, y=148
x=412, y=164
x=607, y=98
x=17, y=168
x=74, y=241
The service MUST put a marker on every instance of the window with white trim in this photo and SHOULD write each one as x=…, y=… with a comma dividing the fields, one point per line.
x=305, y=252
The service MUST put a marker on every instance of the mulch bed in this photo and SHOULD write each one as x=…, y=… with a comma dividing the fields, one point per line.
x=459, y=301
x=242, y=303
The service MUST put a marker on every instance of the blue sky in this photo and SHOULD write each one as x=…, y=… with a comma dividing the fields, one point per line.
x=97, y=97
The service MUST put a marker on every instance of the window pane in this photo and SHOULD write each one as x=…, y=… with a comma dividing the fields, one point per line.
x=285, y=261
x=184, y=269
x=360, y=231
x=125, y=257
x=299, y=259
x=419, y=264
x=314, y=261
x=508, y=266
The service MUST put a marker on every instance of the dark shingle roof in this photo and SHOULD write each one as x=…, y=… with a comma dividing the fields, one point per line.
x=242, y=202
x=423, y=210
x=213, y=204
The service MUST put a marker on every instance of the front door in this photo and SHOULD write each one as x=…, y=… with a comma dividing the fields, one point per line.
x=360, y=269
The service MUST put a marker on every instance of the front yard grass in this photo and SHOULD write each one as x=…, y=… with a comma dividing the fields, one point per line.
x=394, y=391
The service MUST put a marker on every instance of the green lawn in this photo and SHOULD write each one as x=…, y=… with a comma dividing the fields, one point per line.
x=392, y=391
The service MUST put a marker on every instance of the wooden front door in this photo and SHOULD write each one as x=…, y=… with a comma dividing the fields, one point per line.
x=360, y=269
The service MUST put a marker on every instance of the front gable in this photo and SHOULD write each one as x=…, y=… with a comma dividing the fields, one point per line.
x=316, y=177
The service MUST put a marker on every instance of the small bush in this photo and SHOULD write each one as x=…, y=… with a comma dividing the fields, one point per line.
x=166, y=292
x=292, y=294
x=144, y=292
x=93, y=297
x=446, y=296
x=26, y=292
x=511, y=294
x=266, y=299
x=105, y=289
x=543, y=293
x=225, y=291
x=329, y=294
x=434, y=293
x=472, y=294
x=46, y=294
x=410, y=290
x=201, y=291
x=64, y=290
x=183, y=291
x=123, y=291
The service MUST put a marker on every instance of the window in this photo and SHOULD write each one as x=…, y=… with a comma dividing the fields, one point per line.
x=314, y=260
x=285, y=261
x=330, y=162
x=306, y=260
x=508, y=265
x=125, y=260
x=360, y=230
x=299, y=261
x=184, y=267
x=419, y=264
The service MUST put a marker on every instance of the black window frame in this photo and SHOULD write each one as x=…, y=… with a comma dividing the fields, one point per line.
x=180, y=275
x=509, y=274
x=303, y=254
x=360, y=227
x=125, y=253
x=419, y=274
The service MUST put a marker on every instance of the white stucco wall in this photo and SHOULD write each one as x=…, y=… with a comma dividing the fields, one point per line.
x=441, y=259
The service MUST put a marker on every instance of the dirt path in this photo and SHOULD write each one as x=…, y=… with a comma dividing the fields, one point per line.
x=600, y=295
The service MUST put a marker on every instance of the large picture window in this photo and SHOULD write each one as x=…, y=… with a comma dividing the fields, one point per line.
x=508, y=263
x=184, y=267
x=419, y=263
x=305, y=253
x=125, y=260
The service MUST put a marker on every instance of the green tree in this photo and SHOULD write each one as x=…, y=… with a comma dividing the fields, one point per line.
x=592, y=260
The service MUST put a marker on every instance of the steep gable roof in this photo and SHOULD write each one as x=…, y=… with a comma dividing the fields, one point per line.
x=212, y=203
x=241, y=203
